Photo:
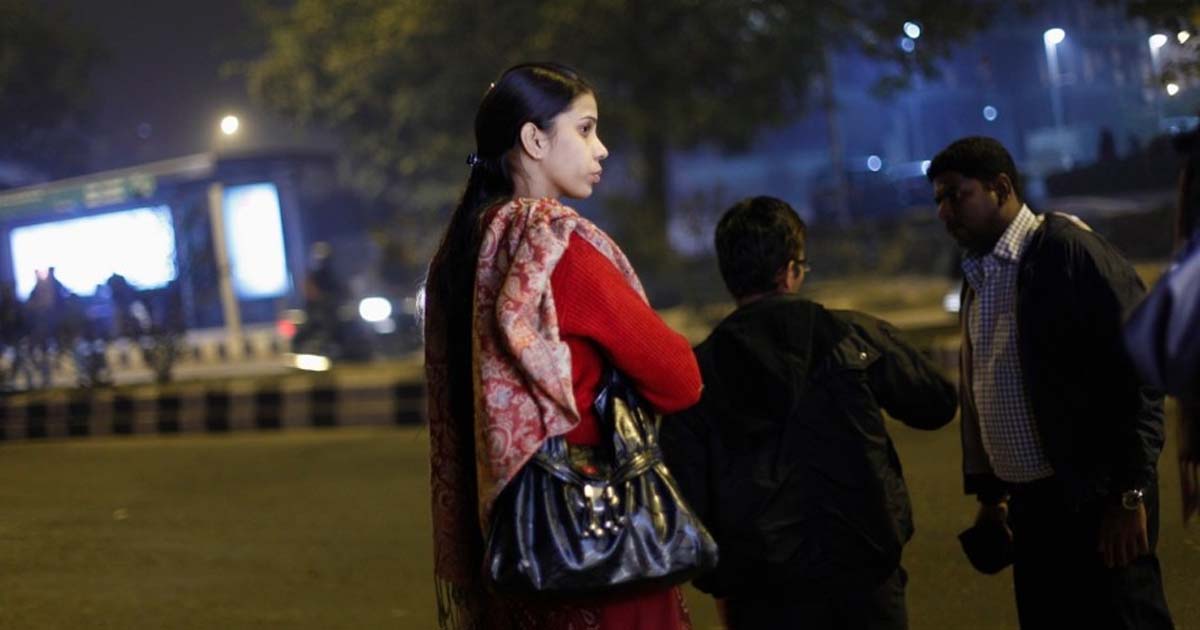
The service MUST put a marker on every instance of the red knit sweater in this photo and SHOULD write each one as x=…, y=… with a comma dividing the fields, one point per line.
x=602, y=320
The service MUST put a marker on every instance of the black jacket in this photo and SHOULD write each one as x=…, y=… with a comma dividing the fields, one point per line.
x=1101, y=426
x=786, y=458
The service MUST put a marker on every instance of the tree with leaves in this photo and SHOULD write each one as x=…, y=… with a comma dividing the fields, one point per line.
x=400, y=79
x=45, y=69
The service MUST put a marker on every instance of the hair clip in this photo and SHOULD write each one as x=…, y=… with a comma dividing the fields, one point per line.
x=474, y=159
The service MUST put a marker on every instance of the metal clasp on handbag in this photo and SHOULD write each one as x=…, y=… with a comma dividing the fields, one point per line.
x=602, y=504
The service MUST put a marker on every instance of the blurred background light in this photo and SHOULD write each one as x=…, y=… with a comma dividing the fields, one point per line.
x=912, y=29
x=1183, y=36
x=1157, y=40
x=952, y=301
x=990, y=113
x=1054, y=36
x=874, y=163
x=230, y=125
x=1172, y=89
x=311, y=362
x=86, y=251
x=908, y=45
x=375, y=309
x=254, y=233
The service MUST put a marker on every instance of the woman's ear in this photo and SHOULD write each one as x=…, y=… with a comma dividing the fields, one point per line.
x=533, y=141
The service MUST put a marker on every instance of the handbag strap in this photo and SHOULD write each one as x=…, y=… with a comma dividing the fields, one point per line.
x=639, y=463
x=551, y=458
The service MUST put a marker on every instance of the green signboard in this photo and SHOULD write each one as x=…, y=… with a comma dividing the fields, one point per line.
x=64, y=198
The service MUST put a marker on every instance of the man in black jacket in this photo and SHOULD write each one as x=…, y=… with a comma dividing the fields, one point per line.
x=1060, y=437
x=786, y=457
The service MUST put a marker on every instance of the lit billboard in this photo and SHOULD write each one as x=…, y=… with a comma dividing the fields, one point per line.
x=139, y=244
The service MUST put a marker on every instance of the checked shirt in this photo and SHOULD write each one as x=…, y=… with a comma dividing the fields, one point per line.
x=1005, y=415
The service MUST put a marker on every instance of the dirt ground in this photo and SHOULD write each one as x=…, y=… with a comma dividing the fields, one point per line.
x=326, y=530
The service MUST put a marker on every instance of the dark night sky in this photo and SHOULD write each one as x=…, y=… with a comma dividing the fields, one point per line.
x=163, y=70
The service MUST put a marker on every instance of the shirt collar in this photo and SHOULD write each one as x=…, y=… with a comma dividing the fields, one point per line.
x=1012, y=243
x=1009, y=247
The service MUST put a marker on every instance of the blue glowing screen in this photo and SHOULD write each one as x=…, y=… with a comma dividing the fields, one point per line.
x=138, y=244
x=254, y=236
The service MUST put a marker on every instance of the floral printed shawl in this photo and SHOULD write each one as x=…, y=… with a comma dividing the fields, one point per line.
x=522, y=381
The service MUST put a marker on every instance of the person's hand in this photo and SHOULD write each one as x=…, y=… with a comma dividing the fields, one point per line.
x=1123, y=535
x=997, y=513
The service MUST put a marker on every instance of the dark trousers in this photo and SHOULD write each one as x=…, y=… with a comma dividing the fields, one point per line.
x=880, y=609
x=1059, y=575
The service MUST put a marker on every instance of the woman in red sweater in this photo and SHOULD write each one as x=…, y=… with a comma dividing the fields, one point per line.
x=527, y=303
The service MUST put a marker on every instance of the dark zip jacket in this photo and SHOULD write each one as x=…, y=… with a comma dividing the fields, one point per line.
x=1101, y=426
x=786, y=458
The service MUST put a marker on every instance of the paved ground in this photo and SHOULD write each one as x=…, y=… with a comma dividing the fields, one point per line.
x=330, y=529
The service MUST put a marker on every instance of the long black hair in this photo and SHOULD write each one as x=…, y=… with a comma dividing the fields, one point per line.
x=529, y=92
x=532, y=92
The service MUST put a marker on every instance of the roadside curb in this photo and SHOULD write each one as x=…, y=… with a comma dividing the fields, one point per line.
x=216, y=407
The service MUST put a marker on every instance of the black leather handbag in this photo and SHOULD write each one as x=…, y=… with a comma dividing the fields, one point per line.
x=584, y=520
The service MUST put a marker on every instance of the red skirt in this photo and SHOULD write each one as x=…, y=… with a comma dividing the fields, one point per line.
x=653, y=610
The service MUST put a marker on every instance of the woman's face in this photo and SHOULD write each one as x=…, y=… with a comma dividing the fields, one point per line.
x=571, y=166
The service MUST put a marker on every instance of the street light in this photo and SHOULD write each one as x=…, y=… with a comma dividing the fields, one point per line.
x=1156, y=42
x=1052, y=38
x=1172, y=89
x=230, y=125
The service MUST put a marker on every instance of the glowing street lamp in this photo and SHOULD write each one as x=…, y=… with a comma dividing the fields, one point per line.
x=230, y=125
x=1172, y=89
x=1156, y=42
x=1052, y=38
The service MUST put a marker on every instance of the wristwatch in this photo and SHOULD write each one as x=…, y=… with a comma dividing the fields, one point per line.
x=1132, y=499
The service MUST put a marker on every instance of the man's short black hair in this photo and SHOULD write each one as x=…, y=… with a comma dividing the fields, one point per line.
x=977, y=157
x=755, y=239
